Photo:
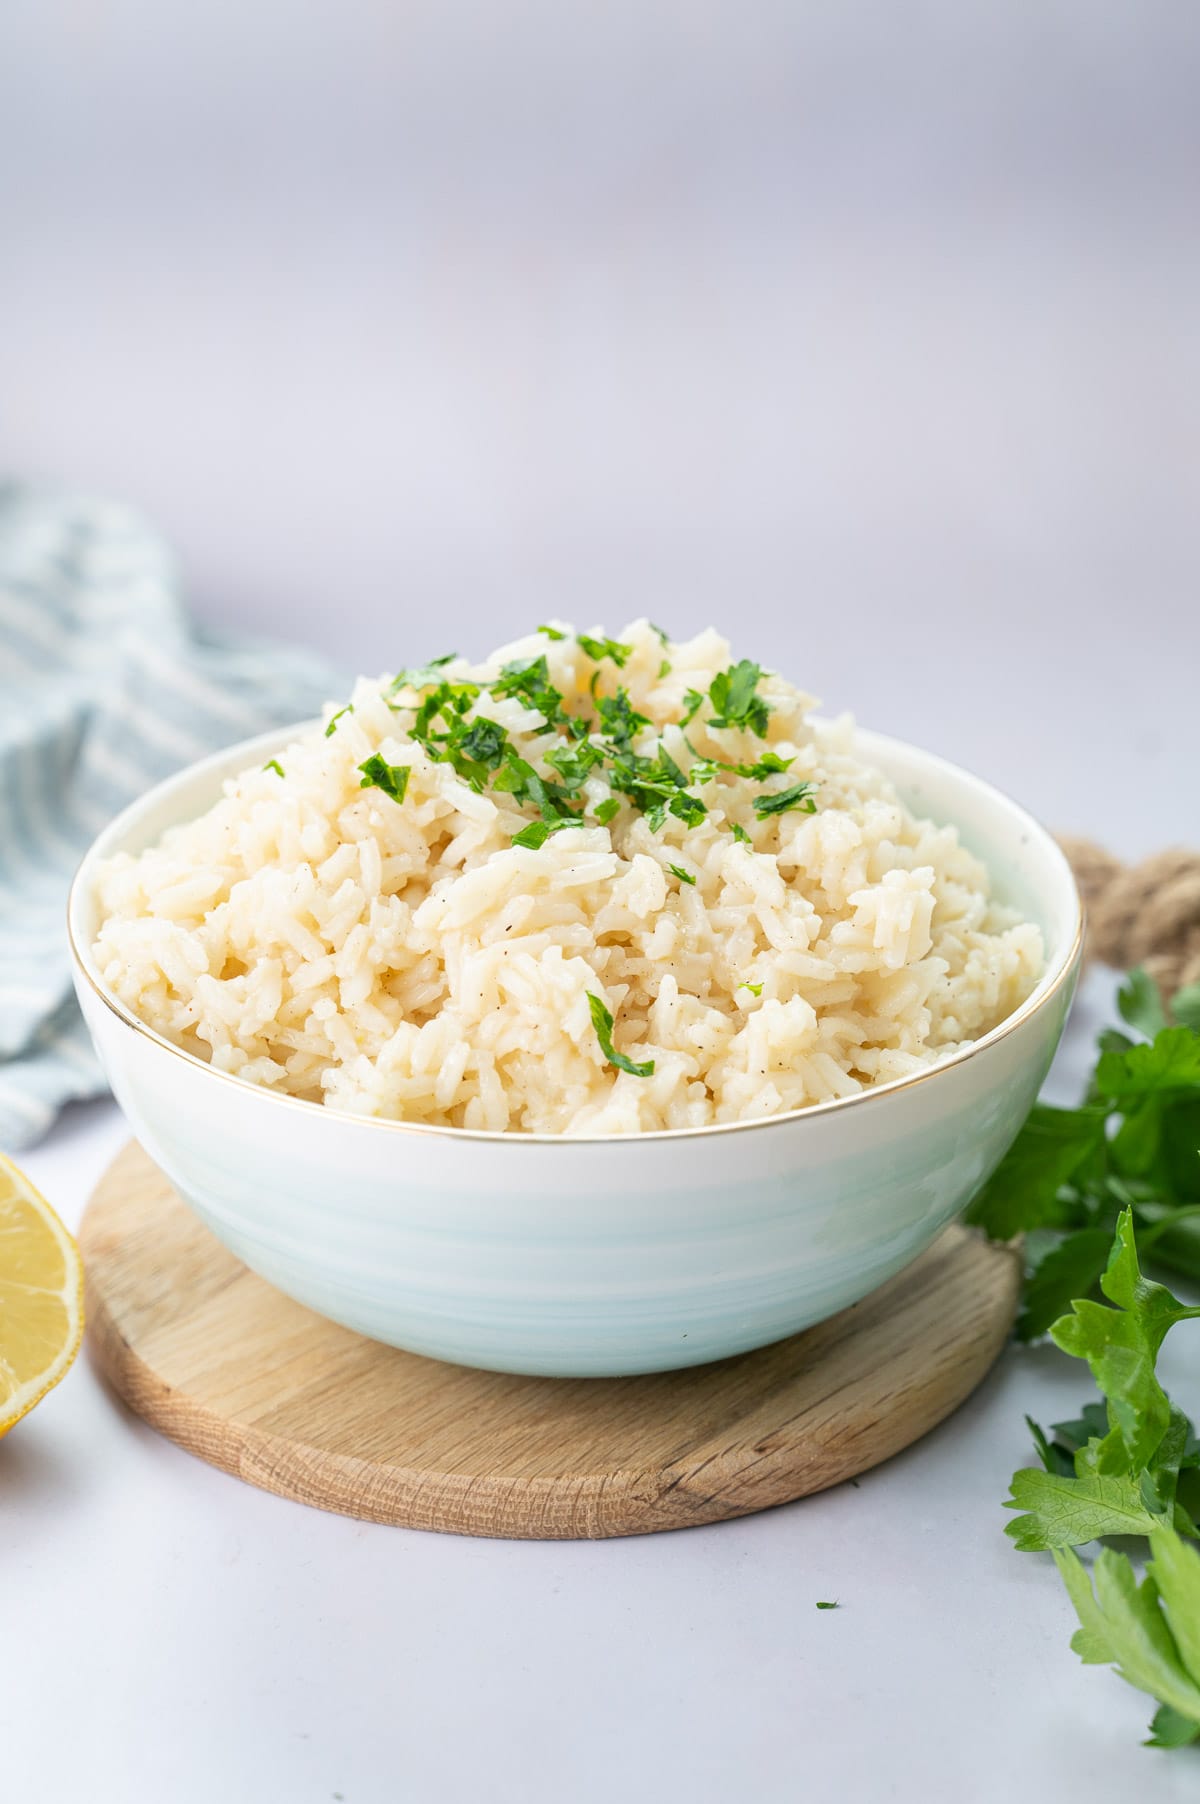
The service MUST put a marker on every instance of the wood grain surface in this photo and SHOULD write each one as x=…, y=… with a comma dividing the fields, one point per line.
x=250, y=1381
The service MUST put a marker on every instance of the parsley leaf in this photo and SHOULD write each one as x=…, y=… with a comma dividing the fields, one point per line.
x=755, y=989
x=693, y=701
x=620, y=719
x=683, y=876
x=1121, y=1346
x=377, y=773
x=826, y=1604
x=422, y=676
x=607, y=810
x=1171, y=1062
x=471, y=751
x=528, y=680
x=740, y=833
x=331, y=725
x=606, y=648
x=602, y=1021
x=537, y=833
x=517, y=777
x=1129, y=1467
x=1050, y=1151
x=1069, y=1268
x=1148, y=1631
x=551, y=632
x=1070, y=1511
x=274, y=764
x=799, y=796
x=734, y=701
x=705, y=769
x=687, y=808
x=1185, y=1006
x=573, y=762
x=766, y=766
x=1141, y=1005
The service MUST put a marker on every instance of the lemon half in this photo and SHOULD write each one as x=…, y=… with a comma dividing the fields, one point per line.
x=41, y=1296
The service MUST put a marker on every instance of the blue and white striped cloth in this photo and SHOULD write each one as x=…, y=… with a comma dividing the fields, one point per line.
x=105, y=687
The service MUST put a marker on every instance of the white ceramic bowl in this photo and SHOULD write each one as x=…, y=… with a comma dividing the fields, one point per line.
x=534, y=1253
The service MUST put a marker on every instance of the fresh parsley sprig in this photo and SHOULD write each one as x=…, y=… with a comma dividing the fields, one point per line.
x=1099, y=1189
x=1128, y=1466
x=1147, y=1631
x=1133, y=1143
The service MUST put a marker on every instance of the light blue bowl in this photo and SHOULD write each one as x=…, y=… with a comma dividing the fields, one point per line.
x=592, y=1257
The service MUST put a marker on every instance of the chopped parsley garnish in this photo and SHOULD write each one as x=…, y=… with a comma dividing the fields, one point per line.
x=1100, y=1191
x=664, y=636
x=274, y=764
x=602, y=1021
x=755, y=989
x=664, y=669
x=331, y=727
x=483, y=742
x=799, y=796
x=537, y=833
x=422, y=676
x=620, y=719
x=769, y=765
x=705, y=769
x=683, y=876
x=441, y=729
x=528, y=679
x=824, y=1603
x=573, y=762
x=607, y=648
x=479, y=749
x=377, y=773
x=687, y=808
x=732, y=694
x=518, y=778
x=672, y=770
x=740, y=834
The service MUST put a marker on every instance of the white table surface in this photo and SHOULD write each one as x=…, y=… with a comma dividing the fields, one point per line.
x=876, y=333
x=170, y=1634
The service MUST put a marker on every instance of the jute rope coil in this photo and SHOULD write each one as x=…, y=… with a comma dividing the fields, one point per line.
x=1142, y=914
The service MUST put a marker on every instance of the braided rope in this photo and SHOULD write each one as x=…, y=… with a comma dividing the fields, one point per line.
x=1143, y=914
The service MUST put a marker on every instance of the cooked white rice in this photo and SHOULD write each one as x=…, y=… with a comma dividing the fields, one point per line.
x=405, y=960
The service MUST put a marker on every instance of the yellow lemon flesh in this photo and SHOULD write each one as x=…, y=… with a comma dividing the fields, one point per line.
x=41, y=1296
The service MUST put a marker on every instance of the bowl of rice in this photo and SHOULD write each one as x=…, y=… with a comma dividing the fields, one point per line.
x=592, y=1009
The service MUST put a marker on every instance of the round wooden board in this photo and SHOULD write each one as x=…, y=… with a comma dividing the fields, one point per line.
x=250, y=1381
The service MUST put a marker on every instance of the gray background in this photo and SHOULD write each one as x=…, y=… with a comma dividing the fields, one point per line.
x=872, y=332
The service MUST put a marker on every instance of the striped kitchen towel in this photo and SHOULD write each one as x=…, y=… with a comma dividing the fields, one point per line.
x=105, y=687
